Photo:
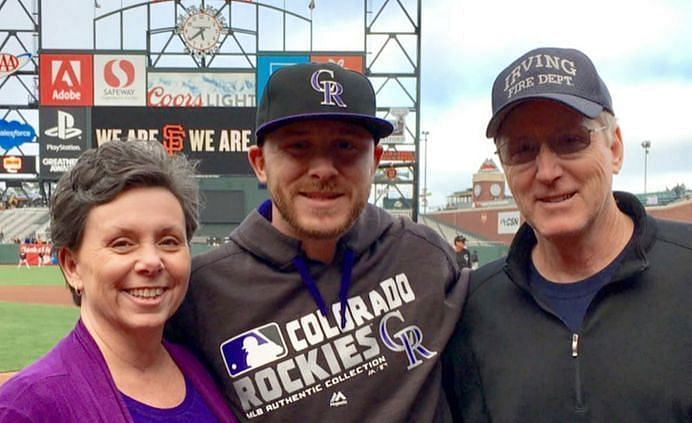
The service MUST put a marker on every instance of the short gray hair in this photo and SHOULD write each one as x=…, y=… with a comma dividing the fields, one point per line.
x=101, y=174
x=608, y=120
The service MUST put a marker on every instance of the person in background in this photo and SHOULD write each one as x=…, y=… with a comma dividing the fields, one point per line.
x=323, y=307
x=462, y=253
x=40, y=255
x=475, y=263
x=23, y=259
x=121, y=219
x=588, y=318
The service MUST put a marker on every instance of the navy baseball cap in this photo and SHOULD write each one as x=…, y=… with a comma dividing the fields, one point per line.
x=564, y=75
x=319, y=91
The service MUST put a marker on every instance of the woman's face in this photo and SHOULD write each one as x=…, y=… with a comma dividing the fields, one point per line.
x=133, y=263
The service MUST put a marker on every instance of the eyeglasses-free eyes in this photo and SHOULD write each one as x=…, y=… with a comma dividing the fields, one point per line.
x=516, y=151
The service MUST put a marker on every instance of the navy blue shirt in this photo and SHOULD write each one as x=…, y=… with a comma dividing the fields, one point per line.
x=571, y=300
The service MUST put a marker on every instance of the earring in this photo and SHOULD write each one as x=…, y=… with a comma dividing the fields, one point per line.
x=78, y=291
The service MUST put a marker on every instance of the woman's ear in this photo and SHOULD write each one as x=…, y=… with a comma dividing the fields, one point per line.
x=67, y=259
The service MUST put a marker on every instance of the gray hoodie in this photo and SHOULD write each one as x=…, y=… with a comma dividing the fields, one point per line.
x=268, y=322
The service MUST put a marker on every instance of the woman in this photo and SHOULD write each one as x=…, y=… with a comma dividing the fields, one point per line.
x=122, y=220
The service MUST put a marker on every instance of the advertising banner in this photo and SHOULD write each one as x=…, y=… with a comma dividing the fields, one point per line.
x=508, y=222
x=398, y=119
x=35, y=252
x=11, y=63
x=267, y=65
x=14, y=133
x=120, y=80
x=66, y=80
x=63, y=137
x=11, y=165
x=218, y=137
x=195, y=89
x=346, y=61
x=398, y=156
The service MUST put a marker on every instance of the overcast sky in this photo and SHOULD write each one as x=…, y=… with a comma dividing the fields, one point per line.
x=641, y=49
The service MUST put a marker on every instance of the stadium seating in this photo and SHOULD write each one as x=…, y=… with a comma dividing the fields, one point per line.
x=22, y=223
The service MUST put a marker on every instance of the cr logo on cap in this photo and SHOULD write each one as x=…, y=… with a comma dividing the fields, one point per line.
x=332, y=90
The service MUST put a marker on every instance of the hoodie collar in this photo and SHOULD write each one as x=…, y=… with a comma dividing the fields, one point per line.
x=257, y=235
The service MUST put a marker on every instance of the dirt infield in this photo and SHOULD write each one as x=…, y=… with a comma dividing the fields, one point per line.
x=52, y=295
x=4, y=377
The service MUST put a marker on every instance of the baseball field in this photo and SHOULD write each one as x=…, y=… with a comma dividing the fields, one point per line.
x=36, y=310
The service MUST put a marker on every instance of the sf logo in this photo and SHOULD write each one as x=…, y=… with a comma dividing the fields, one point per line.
x=332, y=90
x=408, y=339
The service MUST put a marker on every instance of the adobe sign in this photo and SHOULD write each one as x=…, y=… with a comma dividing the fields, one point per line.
x=66, y=80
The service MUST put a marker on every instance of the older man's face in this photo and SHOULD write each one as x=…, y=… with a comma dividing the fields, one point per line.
x=560, y=194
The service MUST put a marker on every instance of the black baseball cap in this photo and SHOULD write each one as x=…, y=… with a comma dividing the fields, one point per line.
x=460, y=238
x=564, y=75
x=319, y=91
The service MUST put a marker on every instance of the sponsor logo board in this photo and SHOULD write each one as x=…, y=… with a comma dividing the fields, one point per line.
x=346, y=61
x=508, y=222
x=17, y=165
x=194, y=89
x=14, y=133
x=119, y=80
x=62, y=139
x=10, y=63
x=267, y=65
x=397, y=116
x=214, y=136
x=66, y=80
x=398, y=156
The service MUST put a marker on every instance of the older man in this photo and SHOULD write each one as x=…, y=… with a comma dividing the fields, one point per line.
x=323, y=307
x=589, y=317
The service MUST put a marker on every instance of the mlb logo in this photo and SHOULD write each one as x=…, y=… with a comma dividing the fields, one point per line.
x=253, y=349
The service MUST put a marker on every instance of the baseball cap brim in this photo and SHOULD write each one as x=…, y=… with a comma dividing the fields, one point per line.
x=379, y=128
x=586, y=107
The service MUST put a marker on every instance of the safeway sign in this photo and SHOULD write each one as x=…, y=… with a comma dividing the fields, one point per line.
x=120, y=80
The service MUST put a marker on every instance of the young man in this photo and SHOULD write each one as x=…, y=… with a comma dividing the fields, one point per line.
x=588, y=318
x=463, y=255
x=322, y=306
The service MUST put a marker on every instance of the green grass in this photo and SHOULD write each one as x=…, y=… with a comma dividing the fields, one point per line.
x=29, y=331
x=46, y=275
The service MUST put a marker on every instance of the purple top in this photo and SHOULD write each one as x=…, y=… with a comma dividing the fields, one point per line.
x=192, y=409
x=72, y=383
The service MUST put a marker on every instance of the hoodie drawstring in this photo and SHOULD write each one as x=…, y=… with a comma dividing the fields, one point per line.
x=310, y=284
x=345, y=283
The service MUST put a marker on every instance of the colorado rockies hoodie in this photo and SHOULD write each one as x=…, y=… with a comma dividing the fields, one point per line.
x=358, y=339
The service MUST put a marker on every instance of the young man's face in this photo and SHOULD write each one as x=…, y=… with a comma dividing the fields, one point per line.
x=319, y=174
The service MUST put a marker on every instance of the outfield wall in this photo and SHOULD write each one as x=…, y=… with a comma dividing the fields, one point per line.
x=9, y=253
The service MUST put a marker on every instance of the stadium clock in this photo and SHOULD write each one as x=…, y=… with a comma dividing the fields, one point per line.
x=201, y=30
